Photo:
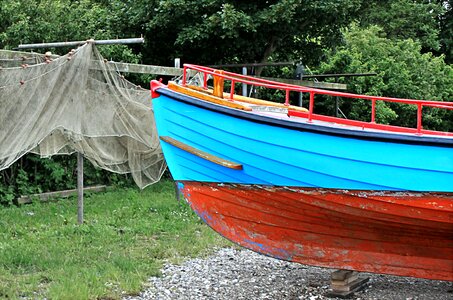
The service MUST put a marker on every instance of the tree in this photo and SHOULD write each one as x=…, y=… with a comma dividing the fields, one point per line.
x=37, y=21
x=446, y=30
x=218, y=31
x=403, y=71
x=406, y=19
x=48, y=21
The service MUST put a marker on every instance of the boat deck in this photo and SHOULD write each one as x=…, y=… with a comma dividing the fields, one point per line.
x=285, y=114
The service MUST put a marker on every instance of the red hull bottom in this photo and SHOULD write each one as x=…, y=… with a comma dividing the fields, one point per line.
x=398, y=233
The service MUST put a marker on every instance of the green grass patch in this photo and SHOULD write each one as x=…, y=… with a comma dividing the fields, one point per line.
x=127, y=236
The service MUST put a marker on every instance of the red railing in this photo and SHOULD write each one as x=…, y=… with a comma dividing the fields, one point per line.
x=310, y=115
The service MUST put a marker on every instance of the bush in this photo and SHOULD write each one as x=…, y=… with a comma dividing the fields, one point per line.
x=32, y=174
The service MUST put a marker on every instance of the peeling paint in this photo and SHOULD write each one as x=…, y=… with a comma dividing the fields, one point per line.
x=405, y=234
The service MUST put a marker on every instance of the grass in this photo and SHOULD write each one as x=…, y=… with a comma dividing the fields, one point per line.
x=127, y=236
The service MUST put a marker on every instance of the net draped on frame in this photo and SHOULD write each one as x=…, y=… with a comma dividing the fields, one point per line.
x=77, y=103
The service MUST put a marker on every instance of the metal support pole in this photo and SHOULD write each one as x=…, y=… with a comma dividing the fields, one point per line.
x=253, y=65
x=336, y=102
x=77, y=43
x=244, y=86
x=299, y=74
x=79, y=188
x=336, y=107
x=178, y=65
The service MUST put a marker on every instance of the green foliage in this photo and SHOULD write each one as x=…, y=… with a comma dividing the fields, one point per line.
x=403, y=71
x=37, y=21
x=215, y=31
x=32, y=174
x=446, y=30
x=49, y=21
x=405, y=19
x=127, y=236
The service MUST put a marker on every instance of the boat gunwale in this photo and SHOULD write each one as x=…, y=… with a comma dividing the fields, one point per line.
x=395, y=137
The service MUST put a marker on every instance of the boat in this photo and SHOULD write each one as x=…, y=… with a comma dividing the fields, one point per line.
x=303, y=187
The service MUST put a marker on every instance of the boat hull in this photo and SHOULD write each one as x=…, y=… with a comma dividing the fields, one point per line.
x=405, y=234
x=281, y=151
x=315, y=193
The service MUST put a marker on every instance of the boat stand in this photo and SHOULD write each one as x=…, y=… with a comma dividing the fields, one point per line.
x=344, y=283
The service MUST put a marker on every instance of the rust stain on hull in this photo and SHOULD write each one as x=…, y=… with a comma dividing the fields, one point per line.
x=406, y=234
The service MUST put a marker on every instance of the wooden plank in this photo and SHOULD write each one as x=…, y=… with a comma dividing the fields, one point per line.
x=146, y=69
x=345, y=281
x=265, y=102
x=120, y=67
x=212, y=158
x=171, y=71
x=22, y=56
x=348, y=291
x=59, y=194
x=250, y=100
x=350, y=287
x=341, y=274
x=203, y=96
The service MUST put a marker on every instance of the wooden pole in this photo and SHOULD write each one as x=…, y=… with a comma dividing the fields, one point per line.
x=79, y=188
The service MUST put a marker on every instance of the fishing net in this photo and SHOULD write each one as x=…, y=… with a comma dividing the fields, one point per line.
x=77, y=103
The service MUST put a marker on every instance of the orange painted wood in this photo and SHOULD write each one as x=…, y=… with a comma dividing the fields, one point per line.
x=266, y=103
x=212, y=158
x=250, y=100
x=406, y=234
x=190, y=92
x=218, y=84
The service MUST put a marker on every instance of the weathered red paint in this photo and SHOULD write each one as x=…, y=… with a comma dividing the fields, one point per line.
x=154, y=86
x=406, y=234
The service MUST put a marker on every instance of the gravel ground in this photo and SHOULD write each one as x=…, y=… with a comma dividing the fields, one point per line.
x=243, y=274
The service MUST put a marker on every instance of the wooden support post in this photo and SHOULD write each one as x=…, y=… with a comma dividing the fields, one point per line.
x=79, y=188
x=52, y=196
x=344, y=283
x=218, y=85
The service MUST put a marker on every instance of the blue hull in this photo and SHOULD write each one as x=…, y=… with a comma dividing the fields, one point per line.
x=278, y=151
